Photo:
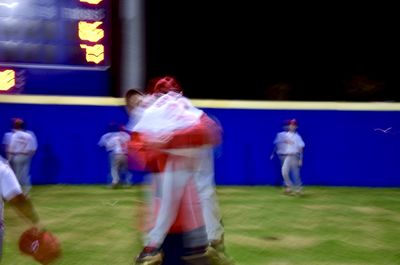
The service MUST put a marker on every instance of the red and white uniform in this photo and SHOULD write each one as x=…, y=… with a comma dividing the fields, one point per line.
x=168, y=141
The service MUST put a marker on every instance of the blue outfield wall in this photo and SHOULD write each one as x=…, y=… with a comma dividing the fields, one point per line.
x=344, y=147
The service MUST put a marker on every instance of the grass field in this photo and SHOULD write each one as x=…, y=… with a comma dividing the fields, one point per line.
x=332, y=226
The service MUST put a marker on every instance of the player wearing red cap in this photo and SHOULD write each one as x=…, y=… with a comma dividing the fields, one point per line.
x=20, y=150
x=289, y=147
x=172, y=138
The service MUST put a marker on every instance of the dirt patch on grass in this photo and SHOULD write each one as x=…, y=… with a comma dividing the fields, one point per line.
x=371, y=210
x=279, y=263
x=320, y=207
x=231, y=191
x=244, y=227
x=293, y=242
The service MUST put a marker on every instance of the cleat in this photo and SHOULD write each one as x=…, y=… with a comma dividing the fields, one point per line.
x=149, y=256
x=217, y=256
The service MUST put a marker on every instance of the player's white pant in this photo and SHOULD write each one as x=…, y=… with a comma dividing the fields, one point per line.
x=205, y=183
x=21, y=164
x=291, y=172
x=172, y=184
x=170, y=187
x=119, y=166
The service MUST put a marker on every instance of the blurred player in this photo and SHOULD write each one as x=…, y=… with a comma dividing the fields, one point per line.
x=289, y=147
x=20, y=150
x=10, y=190
x=133, y=100
x=180, y=137
x=116, y=142
x=135, y=104
x=7, y=137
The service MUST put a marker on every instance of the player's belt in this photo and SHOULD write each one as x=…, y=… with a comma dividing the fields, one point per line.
x=20, y=153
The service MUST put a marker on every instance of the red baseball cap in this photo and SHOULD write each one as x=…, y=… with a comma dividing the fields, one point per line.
x=291, y=122
x=164, y=85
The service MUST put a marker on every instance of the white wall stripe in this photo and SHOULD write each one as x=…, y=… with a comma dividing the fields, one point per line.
x=208, y=103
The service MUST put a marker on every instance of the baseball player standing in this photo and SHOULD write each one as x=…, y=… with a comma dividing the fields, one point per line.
x=115, y=142
x=289, y=147
x=21, y=148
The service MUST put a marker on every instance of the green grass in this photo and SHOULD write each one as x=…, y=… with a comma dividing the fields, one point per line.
x=328, y=225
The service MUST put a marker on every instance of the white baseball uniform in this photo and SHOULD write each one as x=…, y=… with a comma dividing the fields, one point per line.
x=6, y=140
x=116, y=144
x=22, y=146
x=9, y=188
x=289, y=147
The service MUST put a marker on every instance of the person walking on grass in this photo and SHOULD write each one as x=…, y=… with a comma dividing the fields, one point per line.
x=289, y=147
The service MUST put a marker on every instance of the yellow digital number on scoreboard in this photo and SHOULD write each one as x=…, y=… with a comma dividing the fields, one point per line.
x=93, y=2
x=94, y=53
x=7, y=80
x=89, y=31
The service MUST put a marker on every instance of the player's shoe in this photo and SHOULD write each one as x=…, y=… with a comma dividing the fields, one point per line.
x=288, y=191
x=299, y=192
x=217, y=255
x=149, y=256
x=113, y=186
x=196, y=256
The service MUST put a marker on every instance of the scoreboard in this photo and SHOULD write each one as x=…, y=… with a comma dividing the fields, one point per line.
x=59, y=47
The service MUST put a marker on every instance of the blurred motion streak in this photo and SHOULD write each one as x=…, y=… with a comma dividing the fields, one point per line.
x=7, y=80
x=9, y=5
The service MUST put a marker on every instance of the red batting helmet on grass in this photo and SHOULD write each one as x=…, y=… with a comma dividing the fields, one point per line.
x=43, y=246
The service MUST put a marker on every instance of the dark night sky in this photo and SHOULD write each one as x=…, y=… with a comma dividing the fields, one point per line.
x=318, y=52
